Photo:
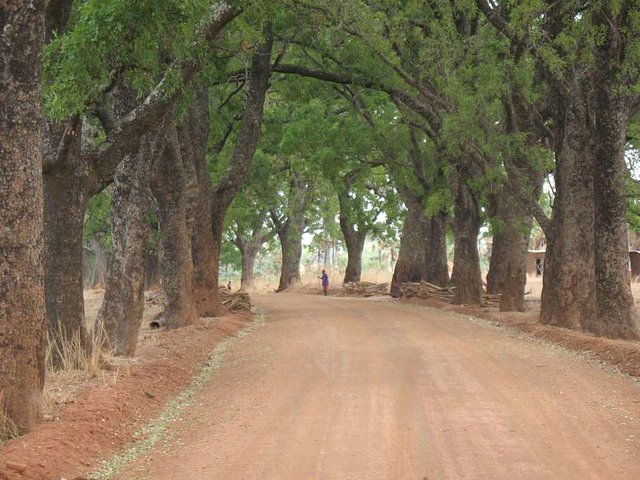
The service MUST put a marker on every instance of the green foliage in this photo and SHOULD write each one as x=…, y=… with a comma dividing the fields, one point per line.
x=97, y=219
x=111, y=37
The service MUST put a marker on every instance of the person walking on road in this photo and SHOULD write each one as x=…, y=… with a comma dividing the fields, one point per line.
x=325, y=282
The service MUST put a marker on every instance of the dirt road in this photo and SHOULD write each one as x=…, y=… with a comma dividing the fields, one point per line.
x=334, y=388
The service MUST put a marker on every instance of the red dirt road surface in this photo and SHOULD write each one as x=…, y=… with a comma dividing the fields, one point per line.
x=337, y=388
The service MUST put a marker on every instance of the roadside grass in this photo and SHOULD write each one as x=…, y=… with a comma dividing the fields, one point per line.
x=8, y=429
x=69, y=365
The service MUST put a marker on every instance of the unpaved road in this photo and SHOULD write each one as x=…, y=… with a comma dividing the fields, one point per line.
x=334, y=388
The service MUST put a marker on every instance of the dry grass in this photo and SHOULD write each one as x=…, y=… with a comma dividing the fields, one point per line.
x=8, y=429
x=80, y=369
x=74, y=365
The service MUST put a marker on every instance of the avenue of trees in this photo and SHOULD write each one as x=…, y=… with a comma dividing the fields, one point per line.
x=172, y=126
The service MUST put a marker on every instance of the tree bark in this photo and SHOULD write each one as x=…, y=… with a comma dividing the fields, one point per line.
x=194, y=136
x=508, y=267
x=569, y=282
x=437, y=267
x=411, y=260
x=249, y=251
x=22, y=302
x=516, y=202
x=355, y=235
x=616, y=314
x=466, y=274
x=65, y=198
x=354, y=240
x=249, y=247
x=120, y=316
x=172, y=185
x=423, y=252
x=291, y=246
x=247, y=278
x=290, y=232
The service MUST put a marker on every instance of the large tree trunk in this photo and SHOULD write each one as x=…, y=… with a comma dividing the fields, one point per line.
x=247, y=277
x=291, y=246
x=238, y=171
x=354, y=240
x=65, y=198
x=466, y=274
x=423, y=252
x=22, y=303
x=410, y=266
x=436, y=265
x=249, y=250
x=616, y=314
x=173, y=189
x=568, y=293
x=120, y=315
x=354, y=231
x=290, y=232
x=508, y=266
x=515, y=203
x=194, y=137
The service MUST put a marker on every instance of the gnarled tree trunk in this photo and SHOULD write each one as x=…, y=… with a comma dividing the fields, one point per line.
x=466, y=274
x=290, y=232
x=569, y=282
x=193, y=133
x=172, y=185
x=120, y=315
x=249, y=250
x=515, y=203
x=616, y=314
x=354, y=239
x=410, y=266
x=508, y=266
x=423, y=252
x=291, y=245
x=249, y=247
x=65, y=198
x=22, y=303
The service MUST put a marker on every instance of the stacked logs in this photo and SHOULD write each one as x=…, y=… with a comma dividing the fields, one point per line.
x=365, y=289
x=235, y=301
x=427, y=290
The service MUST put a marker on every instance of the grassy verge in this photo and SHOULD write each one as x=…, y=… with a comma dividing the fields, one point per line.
x=153, y=432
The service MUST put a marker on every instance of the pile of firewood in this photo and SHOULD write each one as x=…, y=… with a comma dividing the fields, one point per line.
x=491, y=300
x=365, y=289
x=235, y=301
x=429, y=290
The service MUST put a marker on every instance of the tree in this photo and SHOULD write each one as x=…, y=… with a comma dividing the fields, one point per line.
x=22, y=310
x=585, y=54
x=100, y=48
x=120, y=315
x=234, y=176
x=247, y=221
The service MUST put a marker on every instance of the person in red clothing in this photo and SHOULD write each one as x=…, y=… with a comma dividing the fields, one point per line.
x=325, y=282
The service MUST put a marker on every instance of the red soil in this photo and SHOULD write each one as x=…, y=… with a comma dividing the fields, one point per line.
x=105, y=416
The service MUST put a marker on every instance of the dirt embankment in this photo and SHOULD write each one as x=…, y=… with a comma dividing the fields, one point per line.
x=104, y=417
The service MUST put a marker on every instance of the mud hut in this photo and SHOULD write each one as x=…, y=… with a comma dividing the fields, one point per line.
x=535, y=263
